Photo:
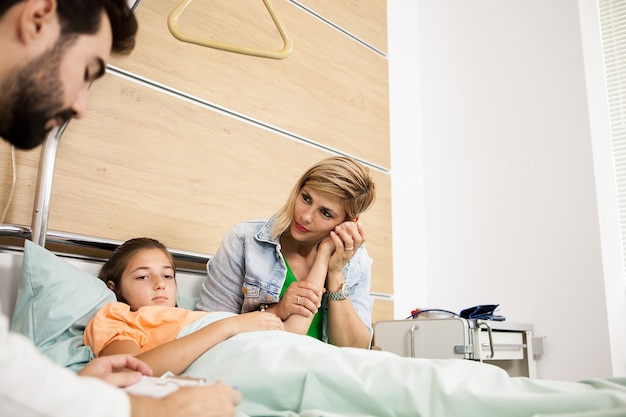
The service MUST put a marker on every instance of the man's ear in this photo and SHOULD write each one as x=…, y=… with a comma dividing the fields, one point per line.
x=35, y=17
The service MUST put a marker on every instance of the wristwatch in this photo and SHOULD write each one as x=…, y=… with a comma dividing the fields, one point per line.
x=342, y=294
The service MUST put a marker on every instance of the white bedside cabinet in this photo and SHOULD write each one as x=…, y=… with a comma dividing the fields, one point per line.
x=504, y=344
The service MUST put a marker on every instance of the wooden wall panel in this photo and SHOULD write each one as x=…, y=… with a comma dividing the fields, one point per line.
x=331, y=89
x=194, y=140
x=366, y=21
x=144, y=163
x=382, y=310
x=26, y=165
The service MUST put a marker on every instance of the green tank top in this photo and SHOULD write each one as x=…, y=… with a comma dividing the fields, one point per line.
x=316, y=325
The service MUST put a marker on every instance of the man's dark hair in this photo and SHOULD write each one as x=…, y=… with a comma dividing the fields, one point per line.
x=82, y=17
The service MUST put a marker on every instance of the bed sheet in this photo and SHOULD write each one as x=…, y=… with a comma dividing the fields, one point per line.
x=286, y=375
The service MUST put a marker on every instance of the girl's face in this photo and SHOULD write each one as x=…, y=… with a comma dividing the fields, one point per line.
x=148, y=280
x=316, y=213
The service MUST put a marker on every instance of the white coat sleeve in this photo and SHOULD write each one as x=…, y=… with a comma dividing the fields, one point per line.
x=33, y=385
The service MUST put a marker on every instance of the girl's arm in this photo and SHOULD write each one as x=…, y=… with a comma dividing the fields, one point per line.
x=345, y=327
x=314, y=285
x=175, y=356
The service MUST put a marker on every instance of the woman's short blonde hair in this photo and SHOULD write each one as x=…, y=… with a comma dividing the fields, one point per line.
x=339, y=176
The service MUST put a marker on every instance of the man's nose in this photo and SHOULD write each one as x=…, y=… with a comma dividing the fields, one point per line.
x=79, y=107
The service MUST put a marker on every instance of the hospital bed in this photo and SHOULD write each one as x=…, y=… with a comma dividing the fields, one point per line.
x=51, y=297
x=283, y=374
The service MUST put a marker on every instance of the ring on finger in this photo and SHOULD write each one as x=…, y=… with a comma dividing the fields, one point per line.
x=298, y=302
x=350, y=248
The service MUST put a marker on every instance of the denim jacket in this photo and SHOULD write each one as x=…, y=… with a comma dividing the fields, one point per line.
x=248, y=270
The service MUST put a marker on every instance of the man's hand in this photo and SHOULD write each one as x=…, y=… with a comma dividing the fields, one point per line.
x=216, y=400
x=118, y=370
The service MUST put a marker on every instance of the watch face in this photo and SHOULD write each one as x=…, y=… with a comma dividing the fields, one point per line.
x=346, y=290
x=342, y=294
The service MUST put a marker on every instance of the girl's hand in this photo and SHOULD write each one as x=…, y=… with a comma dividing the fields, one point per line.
x=302, y=297
x=256, y=320
x=347, y=238
x=326, y=247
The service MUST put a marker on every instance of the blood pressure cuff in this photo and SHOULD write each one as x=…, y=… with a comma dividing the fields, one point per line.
x=481, y=312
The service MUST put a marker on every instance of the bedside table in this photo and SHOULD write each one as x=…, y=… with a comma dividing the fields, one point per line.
x=504, y=344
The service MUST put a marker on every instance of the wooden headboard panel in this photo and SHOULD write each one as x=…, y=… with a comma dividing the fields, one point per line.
x=181, y=142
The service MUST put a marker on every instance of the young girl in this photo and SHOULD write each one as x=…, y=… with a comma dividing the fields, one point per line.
x=145, y=320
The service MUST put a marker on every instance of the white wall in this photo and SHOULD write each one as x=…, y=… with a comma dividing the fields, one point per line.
x=502, y=174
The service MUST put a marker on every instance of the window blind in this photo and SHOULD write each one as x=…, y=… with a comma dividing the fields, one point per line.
x=613, y=26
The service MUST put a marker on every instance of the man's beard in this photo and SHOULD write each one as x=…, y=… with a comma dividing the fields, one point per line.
x=32, y=96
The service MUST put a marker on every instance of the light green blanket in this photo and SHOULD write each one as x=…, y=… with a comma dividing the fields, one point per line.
x=287, y=375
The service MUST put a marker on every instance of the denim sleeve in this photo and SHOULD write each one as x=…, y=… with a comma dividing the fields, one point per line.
x=359, y=278
x=221, y=291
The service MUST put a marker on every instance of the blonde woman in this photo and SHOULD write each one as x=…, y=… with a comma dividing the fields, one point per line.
x=307, y=264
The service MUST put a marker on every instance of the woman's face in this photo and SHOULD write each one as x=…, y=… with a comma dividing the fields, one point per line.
x=316, y=213
x=148, y=280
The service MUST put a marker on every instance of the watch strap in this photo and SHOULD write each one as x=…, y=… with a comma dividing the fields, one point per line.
x=342, y=294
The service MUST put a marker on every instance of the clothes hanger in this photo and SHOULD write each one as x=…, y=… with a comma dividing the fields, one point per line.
x=172, y=24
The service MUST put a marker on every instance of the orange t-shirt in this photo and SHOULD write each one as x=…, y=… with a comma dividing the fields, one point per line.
x=150, y=326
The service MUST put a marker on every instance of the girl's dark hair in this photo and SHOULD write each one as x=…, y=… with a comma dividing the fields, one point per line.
x=83, y=17
x=117, y=263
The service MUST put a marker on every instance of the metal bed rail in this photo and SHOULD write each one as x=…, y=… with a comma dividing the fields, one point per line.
x=91, y=242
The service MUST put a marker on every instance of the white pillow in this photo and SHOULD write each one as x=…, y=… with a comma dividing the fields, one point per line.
x=55, y=301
